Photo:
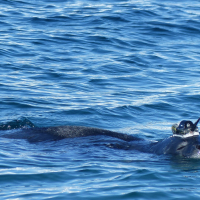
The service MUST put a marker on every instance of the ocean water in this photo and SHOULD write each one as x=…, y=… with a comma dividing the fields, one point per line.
x=126, y=66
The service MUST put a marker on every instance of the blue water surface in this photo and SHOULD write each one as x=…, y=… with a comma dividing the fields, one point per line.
x=126, y=66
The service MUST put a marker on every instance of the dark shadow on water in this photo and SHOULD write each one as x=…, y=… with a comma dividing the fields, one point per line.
x=184, y=164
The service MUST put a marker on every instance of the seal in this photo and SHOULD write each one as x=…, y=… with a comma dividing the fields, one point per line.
x=185, y=140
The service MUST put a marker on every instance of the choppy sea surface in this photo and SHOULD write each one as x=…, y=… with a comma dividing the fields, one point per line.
x=126, y=66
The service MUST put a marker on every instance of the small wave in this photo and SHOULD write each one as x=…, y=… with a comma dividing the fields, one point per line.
x=22, y=122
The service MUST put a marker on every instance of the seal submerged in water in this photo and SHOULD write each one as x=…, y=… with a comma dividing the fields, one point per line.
x=185, y=140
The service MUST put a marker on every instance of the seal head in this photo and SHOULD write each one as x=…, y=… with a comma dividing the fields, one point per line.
x=185, y=129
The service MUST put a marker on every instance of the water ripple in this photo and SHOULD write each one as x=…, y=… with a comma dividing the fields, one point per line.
x=128, y=66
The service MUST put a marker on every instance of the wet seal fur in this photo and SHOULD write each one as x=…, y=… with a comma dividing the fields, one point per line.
x=187, y=147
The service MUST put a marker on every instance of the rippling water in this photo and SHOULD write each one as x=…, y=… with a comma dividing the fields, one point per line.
x=127, y=66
